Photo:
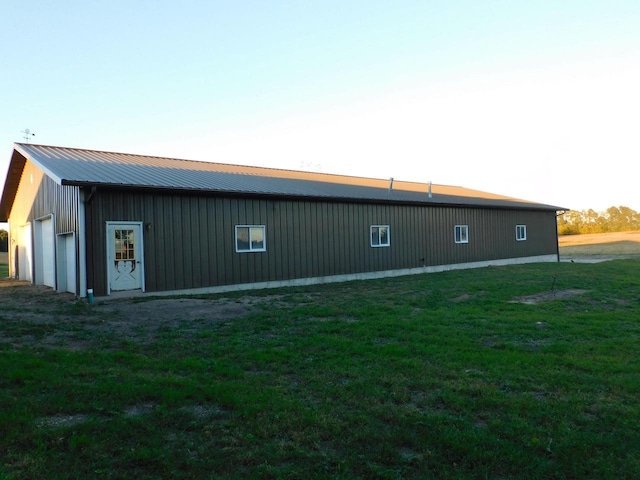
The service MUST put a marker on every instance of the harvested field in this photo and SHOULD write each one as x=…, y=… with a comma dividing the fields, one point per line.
x=599, y=246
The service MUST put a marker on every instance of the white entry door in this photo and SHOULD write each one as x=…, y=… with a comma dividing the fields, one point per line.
x=125, y=267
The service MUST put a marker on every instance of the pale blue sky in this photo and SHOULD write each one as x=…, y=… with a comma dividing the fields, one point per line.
x=538, y=100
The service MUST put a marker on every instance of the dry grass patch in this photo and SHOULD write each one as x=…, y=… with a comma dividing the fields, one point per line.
x=614, y=245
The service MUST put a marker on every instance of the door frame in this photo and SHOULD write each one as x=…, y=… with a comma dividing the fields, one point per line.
x=140, y=252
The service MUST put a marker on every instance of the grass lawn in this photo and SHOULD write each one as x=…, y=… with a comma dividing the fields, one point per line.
x=4, y=270
x=442, y=376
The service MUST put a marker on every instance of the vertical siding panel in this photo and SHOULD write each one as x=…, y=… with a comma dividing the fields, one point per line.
x=220, y=252
x=157, y=244
x=282, y=261
x=149, y=262
x=301, y=240
x=205, y=239
x=305, y=229
x=170, y=250
x=321, y=239
x=198, y=260
x=266, y=213
x=177, y=235
x=328, y=244
x=361, y=239
x=212, y=242
x=334, y=246
x=277, y=249
x=188, y=233
x=228, y=239
x=349, y=239
x=294, y=240
x=313, y=231
x=341, y=259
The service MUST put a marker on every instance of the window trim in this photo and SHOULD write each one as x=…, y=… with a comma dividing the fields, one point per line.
x=463, y=238
x=521, y=228
x=251, y=249
x=380, y=244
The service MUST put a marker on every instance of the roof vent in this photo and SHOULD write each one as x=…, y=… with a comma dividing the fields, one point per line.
x=430, y=194
x=390, y=184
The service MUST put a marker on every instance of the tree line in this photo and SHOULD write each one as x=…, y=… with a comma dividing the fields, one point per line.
x=4, y=241
x=614, y=219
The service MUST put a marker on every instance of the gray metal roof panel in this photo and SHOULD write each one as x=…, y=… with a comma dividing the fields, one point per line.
x=81, y=167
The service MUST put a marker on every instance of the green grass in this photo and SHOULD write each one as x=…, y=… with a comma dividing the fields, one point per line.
x=434, y=376
x=4, y=270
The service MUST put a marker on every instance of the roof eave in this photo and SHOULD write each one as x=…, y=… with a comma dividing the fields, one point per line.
x=11, y=184
x=326, y=198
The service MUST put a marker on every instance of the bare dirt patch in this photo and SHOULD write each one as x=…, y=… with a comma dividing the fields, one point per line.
x=38, y=316
x=548, y=296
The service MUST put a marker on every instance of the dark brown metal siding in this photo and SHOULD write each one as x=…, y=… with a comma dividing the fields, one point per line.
x=189, y=240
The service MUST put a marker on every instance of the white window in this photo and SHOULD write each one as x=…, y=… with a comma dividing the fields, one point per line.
x=380, y=236
x=250, y=238
x=461, y=233
x=521, y=232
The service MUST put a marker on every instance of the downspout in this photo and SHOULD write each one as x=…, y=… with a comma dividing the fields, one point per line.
x=82, y=240
x=561, y=212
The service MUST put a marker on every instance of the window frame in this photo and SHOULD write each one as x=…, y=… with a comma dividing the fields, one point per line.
x=462, y=238
x=263, y=228
x=521, y=228
x=379, y=244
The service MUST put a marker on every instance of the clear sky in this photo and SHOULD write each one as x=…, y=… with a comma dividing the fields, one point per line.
x=537, y=100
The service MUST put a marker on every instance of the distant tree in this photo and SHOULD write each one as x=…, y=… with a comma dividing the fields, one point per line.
x=614, y=219
x=569, y=223
x=4, y=241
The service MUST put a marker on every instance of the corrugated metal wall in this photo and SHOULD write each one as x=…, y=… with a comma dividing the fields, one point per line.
x=39, y=196
x=62, y=201
x=189, y=240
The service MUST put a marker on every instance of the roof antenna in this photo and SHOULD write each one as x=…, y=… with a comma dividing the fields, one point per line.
x=27, y=134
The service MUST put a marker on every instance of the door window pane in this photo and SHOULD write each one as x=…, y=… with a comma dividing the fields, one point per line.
x=124, y=244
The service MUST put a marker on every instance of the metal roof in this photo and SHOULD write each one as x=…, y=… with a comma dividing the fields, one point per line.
x=71, y=166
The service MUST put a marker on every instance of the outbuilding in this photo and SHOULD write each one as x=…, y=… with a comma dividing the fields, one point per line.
x=123, y=224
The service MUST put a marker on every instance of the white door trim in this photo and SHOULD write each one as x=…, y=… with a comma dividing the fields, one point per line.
x=139, y=245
